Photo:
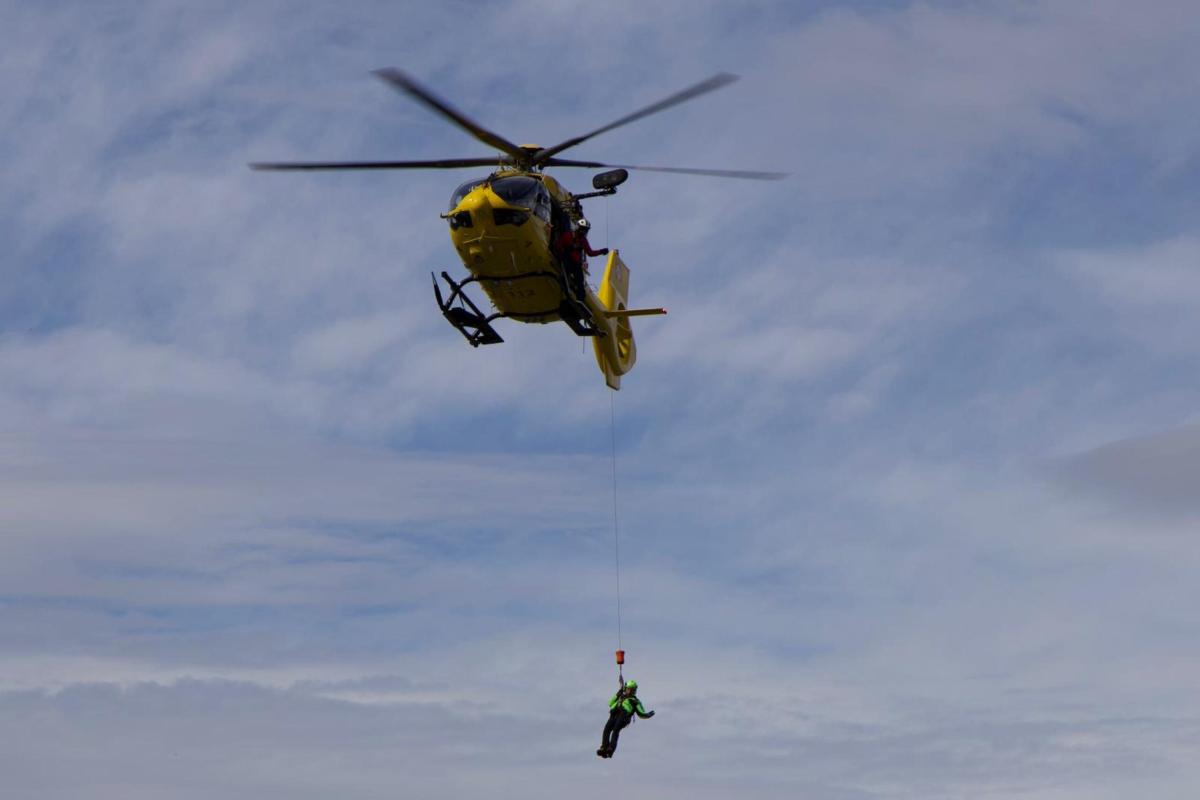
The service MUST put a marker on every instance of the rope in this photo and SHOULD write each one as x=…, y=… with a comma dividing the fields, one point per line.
x=616, y=525
x=612, y=407
x=606, y=220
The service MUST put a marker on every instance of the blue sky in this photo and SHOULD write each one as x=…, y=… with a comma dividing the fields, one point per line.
x=907, y=478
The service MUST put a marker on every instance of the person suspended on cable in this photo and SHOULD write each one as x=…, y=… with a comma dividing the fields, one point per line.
x=621, y=710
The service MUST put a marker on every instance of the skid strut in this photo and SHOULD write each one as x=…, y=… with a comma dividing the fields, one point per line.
x=476, y=326
x=466, y=316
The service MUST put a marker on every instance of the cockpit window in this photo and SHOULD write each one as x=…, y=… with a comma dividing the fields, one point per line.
x=463, y=191
x=517, y=190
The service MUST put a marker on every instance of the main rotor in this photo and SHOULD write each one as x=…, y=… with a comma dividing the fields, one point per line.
x=526, y=157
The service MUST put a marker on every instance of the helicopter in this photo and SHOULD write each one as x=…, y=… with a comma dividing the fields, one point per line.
x=522, y=235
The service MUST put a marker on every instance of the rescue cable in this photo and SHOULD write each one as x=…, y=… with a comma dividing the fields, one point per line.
x=616, y=535
x=620, y=654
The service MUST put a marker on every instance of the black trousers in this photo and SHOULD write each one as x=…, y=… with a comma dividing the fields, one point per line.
x=617, y=719
x=574, y=271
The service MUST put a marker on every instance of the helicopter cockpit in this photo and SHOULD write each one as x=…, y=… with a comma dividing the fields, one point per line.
x=464, y=190
x=521, y=190
x=516, y=190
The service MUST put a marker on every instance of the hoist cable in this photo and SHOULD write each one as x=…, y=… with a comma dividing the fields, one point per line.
x=606, y=220
x=616, y=524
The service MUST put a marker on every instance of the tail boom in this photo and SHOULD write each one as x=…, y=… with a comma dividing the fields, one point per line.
x=616, y=351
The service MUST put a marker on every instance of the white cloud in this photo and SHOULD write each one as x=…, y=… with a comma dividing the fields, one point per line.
x=1152, y=290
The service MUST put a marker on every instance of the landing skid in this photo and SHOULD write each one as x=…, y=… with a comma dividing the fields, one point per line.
x=465, y=316
x=476, y=327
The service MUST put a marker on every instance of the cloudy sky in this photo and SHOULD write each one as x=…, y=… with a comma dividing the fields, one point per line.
x=908, y=479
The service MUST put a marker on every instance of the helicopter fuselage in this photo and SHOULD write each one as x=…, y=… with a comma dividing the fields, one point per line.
x=503, y=228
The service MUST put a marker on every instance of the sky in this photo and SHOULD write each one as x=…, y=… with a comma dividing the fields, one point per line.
x=907, y=481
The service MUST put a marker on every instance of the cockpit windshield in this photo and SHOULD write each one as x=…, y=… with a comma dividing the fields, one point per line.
x=517, y=190
x=463, y=191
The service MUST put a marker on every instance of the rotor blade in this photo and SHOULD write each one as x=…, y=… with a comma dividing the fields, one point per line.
x=427, y=98
x=445, y=163
x=714, y=173
x=712, y=84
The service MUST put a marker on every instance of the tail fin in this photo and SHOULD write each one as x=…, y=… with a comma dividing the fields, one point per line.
x=616, y=352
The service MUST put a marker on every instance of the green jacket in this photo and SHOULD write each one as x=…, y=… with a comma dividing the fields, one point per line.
x=629, y=703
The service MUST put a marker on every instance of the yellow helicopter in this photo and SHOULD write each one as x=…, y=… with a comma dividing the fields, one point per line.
x=522, y=235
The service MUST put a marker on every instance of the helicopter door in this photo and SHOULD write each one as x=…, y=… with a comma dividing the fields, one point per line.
x=541, y=206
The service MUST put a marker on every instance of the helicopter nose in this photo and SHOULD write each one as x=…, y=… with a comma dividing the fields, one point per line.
x=476, y=208
x=471, y=211
x=476, y=202
x=479, y=206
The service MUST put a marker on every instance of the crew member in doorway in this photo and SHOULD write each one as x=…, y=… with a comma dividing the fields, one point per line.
x=621, y=708
x=571, y=245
